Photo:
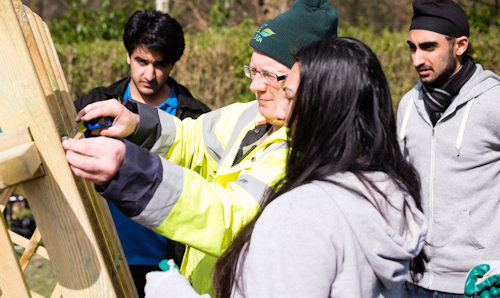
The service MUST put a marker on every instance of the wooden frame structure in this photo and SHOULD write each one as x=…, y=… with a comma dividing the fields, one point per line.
x=79, y=238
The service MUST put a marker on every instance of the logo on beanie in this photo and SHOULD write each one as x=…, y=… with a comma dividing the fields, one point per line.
x=261, y=34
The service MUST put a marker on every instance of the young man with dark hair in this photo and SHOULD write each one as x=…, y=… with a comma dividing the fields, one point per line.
x=154, y=43
x=448, y=129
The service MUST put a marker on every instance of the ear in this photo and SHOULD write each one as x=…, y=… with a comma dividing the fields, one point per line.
x=128, y=58
x=461, y=44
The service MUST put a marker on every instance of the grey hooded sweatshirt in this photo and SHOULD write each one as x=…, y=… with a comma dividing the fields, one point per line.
x=459, y=165
x=321, y=240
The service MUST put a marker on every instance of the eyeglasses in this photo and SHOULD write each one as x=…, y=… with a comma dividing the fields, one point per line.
x=269, y=78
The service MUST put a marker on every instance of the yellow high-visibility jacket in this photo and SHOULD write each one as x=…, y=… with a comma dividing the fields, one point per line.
x=203, y=200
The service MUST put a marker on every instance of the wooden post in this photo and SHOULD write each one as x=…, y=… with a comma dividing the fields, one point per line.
x=74, y=222
x=11, y=277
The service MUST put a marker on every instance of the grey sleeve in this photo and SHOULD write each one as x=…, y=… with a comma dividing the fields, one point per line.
x=149, y=128
x=291, y=252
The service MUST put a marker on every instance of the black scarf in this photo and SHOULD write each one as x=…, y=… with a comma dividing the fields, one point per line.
x=438, y=99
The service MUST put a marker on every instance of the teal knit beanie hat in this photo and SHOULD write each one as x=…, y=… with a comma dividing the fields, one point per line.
x=305, y=22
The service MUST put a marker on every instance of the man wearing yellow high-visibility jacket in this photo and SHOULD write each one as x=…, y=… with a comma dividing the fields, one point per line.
x=217, y=167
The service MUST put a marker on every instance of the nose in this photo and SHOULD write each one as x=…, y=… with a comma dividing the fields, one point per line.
x=149, y=72
x=258, y=84
x=418, y=58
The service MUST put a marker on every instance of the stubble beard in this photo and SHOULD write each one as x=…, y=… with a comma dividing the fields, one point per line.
x=449, y=70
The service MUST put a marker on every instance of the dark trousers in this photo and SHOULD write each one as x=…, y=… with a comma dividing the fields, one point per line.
x=414, y=291
x=139, y=276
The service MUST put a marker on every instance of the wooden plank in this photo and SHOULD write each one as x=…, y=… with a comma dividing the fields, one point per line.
x=14, y=138
x=29, y=250
x=100, y=216
x=45, y=47
x=18, y=164
x=56, y=199
x=64, y=86
x=23, y=242
x=4, y=197
x=57, y=292
x=35, y=295
x=12, y=280
x=63, y=90
x=61, y=120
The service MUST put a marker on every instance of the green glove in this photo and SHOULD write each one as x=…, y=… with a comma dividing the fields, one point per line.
x=484, y=280
x=166, y=265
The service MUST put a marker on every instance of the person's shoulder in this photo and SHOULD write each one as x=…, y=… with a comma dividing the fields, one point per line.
x=483, y=85
x=188, y=105
x=117, y=87
x=484, y=78
x=315, y=197
x=100, y=93
x=413, y=91
x=409, y=95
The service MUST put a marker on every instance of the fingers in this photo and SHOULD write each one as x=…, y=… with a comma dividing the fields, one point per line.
x=91, y=177
x=96, y=159
x=123, y=126
x=495, y=291
x=478, y=271
x=80, y=146
x=110, y=107
x=125, y=121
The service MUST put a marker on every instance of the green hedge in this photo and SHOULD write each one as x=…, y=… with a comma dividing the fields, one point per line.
x=211, y=66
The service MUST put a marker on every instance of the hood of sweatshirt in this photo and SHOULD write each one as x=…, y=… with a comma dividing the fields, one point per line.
x=480, y=82
x=387, y=239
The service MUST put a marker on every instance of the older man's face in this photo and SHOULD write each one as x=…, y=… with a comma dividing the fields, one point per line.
x=266, y=92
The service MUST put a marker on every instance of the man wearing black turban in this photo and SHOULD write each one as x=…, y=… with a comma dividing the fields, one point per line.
x=449, y=129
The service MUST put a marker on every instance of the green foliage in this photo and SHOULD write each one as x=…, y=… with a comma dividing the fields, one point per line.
x=80, y=24
x=89, y=65
x=211, y=66
x=481, y=17
x=219, y=13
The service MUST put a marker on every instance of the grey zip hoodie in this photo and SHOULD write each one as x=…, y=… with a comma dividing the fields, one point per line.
x=459, y=164
x=320, y=240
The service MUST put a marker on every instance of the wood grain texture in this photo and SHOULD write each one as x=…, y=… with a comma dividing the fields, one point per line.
x=66, y=102
x=71, y=232
x=18, y=164
x=12, y=280
x=4, y=197
x=61, y=120
x=21, y=241
x=100, y=216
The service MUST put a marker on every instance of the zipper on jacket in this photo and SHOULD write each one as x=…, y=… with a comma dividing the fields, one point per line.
x=431, y=198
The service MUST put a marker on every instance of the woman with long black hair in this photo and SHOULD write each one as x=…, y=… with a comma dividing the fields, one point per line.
x=345, y=220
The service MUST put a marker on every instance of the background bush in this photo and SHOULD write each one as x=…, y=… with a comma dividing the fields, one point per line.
x=211, y=66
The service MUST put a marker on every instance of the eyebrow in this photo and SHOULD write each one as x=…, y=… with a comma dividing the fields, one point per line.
x=157, y=62
x=276, y=72
x=139, y=58
x=423, y=44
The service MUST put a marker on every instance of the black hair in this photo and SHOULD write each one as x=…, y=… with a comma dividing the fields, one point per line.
x=342, y=121
x=157, y=31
